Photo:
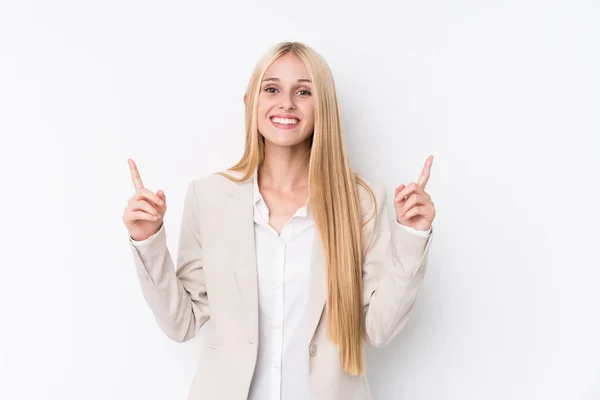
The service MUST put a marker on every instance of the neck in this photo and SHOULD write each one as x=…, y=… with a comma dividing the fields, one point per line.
x=284, y=169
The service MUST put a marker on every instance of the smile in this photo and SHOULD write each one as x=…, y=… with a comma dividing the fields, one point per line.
x=284, y=123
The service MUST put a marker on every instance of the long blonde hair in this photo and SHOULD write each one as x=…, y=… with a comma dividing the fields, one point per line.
x=333, y=199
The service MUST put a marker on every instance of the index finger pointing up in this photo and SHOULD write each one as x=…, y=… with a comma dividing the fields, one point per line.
x=426, y=172
x=135, y=175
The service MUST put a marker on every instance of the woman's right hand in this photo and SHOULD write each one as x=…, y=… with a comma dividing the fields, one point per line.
x=145, y=210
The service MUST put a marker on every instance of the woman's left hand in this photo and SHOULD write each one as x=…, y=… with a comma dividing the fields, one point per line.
x=413, y=204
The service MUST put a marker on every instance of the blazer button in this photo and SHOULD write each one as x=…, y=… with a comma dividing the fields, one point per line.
x=313, y=349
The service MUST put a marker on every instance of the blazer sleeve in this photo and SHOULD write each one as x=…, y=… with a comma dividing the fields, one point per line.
x=176, y=296
x=394, y=266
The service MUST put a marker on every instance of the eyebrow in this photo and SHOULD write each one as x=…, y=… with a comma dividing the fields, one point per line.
x=279, y=80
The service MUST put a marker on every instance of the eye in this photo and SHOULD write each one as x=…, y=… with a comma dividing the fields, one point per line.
x=304, y=92
x=270, y=89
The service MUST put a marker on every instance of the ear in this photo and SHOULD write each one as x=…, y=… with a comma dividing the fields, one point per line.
x=244, y=98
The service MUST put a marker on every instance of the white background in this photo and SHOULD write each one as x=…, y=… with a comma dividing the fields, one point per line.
x=505, y=95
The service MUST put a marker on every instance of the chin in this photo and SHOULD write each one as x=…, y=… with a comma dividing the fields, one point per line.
x=284, y=139
x=282, y=142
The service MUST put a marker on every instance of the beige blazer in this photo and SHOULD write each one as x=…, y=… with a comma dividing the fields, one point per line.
x=214, y=285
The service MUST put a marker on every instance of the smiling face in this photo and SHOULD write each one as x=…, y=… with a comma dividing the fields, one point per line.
x=285, y=103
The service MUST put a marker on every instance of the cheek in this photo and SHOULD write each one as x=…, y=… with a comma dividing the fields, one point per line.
x=266, y=103
x=262, y=123
x=309, y=114
x=262, y=108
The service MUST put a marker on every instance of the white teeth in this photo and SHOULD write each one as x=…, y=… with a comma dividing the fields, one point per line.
x=285, y=121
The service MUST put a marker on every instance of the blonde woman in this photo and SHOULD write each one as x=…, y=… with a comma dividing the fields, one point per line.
x=288, y=259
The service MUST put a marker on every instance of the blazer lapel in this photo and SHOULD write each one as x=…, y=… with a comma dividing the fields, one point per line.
x=242, y=251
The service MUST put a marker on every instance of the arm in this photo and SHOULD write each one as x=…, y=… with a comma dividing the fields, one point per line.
x=177, y=297
x=393, y=269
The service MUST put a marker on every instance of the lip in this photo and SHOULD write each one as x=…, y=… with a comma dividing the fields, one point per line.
x=284, y=116
x=283, y=126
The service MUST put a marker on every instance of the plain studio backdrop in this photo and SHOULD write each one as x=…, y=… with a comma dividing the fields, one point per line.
x=505, y=95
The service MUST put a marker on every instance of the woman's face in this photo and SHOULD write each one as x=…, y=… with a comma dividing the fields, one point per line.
x=285, y=102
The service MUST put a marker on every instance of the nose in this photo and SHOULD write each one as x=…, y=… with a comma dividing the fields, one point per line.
x=287, y=102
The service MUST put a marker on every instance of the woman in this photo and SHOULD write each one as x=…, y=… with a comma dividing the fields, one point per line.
x=287, y=259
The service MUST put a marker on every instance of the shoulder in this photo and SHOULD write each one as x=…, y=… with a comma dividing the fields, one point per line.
x=373, y=202
x=210, y=194
x=371, y=193
x=216, y=183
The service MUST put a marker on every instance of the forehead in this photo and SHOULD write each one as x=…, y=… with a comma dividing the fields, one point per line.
x=288, y=66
